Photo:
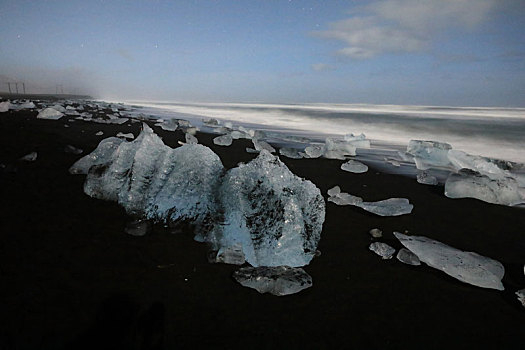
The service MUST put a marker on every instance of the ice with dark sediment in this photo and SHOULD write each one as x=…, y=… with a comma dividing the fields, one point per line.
x=382, y=249
x=376, y=233
x=472, y=184
x=273, y=214
x=101, y=155
x=429, y=154
x=50, y=113
x=153, y=181
x=31, y=157
x=314, y=151
x=224, y=140
x=353, y=166
x=423, y=177
x=277, y=280
x=290, y=152
x=468, y=267
x=407, y=257
x=387, y=207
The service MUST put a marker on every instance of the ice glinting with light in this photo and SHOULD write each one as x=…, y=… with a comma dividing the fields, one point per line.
x=273, y=215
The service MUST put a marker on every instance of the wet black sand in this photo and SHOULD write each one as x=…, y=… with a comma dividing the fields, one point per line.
x=71, y=278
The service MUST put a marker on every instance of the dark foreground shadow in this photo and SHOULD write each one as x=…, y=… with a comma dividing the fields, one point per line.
x=120, y=324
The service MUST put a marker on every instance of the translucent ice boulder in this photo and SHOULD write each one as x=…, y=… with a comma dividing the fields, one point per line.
x=153, y=181
x=407, y=257
x=50, y=113
x=387, y=207
x=262, y=145
x=339, y=146
x=278, y=280
x=314, y=151
x=469, y=183
x=353, y=166
x=462, y=160
x=275, y=216
x=468, y=267
x=359, y=141
x=429, y=154
x=425, y=178
x=290, y=153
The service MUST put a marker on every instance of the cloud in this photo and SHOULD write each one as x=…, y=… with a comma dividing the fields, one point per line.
x=321, y=67
x=404, y=26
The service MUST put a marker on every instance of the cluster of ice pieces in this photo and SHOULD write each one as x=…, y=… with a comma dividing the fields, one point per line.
x=486, y=179
x=387, y=207
x=258, y=212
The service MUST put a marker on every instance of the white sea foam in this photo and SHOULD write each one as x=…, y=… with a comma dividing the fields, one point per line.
x=492, y=132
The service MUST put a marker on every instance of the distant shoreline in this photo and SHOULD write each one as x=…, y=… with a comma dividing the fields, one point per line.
x=8, y=95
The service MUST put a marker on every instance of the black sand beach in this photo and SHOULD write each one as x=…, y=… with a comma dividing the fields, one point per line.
x=71, y=278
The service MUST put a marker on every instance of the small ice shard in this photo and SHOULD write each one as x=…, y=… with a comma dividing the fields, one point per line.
x=228, y=125
x=66, y=126
x=339, y=146
x=138, y=227
x=237, y=134
x=376, y=233
x=382, y=249
x=251, y=150
x=224, y=140
x=210, y=121
x=277, y=280
x=191, y=130
x=387, y=207
x=126, y=136
x=393, y=162
x=334, y=191
x=231, y=255
x=50, y=113
x=521, y=296
x=425, y=178
x=354, y=166
x=407, y=257
x=469, y=183
x=314, y=151
x=275, y=216
x=101, y=155
x=100, y=133
x=72, y=150
x=429, y=154
x=4, y=106
x=290, y=153
x=31, y=157
x=190, y=139
x=468, y=267
x=262, y=145
x=72, y=112
x=359, y=141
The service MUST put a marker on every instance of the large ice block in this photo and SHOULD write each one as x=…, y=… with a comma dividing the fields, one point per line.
x=468, y=267
x=273, y=214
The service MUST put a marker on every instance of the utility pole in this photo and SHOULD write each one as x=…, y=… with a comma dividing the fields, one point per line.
x=24, y=87
x=16, y=85
x=9, y=86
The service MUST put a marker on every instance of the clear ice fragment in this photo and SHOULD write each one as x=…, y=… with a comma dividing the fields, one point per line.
x=407, y=257
x=31, y=157
x=425, y=178
x=126, y=136
x=190, y=139
x=353, y=166
x=50, y=113
x=277, y=280
x=468, y=267
x=72, y=150
x=314, y=151
x=382, y=249
x=224, y=140
x=429, y=154
x=290, y=153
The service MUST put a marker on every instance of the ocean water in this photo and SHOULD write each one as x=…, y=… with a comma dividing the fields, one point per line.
x=490, y=132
